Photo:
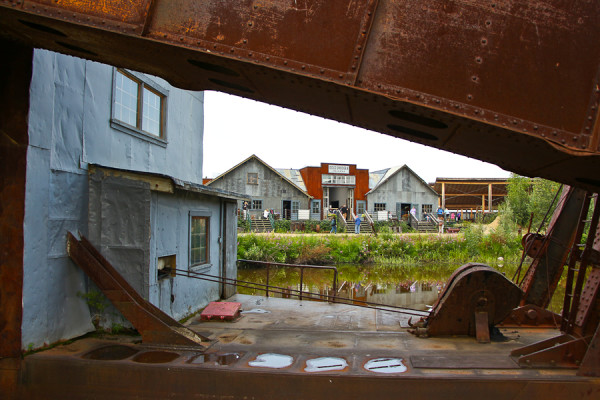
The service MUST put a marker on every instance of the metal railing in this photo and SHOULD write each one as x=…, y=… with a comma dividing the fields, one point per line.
x=340, y=217
x=272, y=221
x=302, y=268
x=312, y=296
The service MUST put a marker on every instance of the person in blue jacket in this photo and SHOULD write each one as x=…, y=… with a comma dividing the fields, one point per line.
x=357, y=224
x=333, y=225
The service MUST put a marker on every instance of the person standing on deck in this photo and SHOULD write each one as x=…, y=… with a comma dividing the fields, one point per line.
x=357, y=224
x=344, y=211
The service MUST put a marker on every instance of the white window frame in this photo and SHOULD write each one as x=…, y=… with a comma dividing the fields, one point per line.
x=206, y=264
x=144, y=82
x=328, y=179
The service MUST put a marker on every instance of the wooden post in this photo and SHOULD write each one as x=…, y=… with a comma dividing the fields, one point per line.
x=444, y=196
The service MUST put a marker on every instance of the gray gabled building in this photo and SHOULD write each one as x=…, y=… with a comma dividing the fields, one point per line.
x=268, y=188
x=116, y=155
x=397, y=190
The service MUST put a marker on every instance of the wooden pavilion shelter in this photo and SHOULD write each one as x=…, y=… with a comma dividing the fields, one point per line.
x=471, y=195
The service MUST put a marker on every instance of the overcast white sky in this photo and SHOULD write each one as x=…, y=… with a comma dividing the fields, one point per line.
x=235, y=128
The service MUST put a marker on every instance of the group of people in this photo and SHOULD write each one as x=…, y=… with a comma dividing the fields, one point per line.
x=344, y=212
x=447, y=215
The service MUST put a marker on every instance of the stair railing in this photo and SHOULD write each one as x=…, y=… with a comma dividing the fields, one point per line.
x=371, y=222
x=433, y=218
x=340, y=217
x=414, y=222
x=272, y=221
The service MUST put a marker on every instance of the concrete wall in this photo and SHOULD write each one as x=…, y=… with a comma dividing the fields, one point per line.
x=69, y=126
x=403, y=187
x=270, y=188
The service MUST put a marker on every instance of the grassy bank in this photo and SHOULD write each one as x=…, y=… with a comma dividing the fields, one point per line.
x=472, y=245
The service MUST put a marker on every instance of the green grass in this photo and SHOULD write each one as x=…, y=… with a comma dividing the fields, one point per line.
x=472, y=245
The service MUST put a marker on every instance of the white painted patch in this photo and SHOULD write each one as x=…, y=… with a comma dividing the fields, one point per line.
x=256, y=311
x=385, y=365
x=325, y=364
x=272, y=360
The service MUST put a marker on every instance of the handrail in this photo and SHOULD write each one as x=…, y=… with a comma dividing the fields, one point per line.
x=272, y=221
x=371, y=222
x=339, y=214
x=413, y=220
x=433, y=217
x=301, y=266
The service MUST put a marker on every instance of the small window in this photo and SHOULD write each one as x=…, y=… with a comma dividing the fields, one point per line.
x=257, y=205
x=252, y=178
x=166, y=266
x=199, y=235
x=379, y=206
x=426, y=208
x=316, y=207
x=139, y=105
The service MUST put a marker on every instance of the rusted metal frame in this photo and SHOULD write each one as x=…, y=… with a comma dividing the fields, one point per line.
x=361, y=41
x=587, y=303
x=565, y=195
x=532, y=316
x=543, y=275
x=108, y=268
x=558, y=354
x=573, y=258
x=594, y=141
x=583, y=264
x=482, y=329
x=260, y=286
x=82, y=17
x=16, y=72
x=478, y=289
x=590, y=365
x=154, y=326
x=541, y=345
x=148, y=19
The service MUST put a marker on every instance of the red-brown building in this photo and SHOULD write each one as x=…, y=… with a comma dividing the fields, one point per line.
x=334, y=185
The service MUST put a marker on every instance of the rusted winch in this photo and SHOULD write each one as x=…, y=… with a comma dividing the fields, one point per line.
x=476, y=298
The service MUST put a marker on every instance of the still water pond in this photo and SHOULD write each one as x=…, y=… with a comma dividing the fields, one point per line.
x=413, y=286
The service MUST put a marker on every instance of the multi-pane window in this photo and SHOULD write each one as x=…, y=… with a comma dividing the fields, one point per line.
x=315, y=206
x=199, y=234
x=338, y=179
x=138, y=104
x=379, y=206
x=426, y=208
x=257, y=204
x=253, y=178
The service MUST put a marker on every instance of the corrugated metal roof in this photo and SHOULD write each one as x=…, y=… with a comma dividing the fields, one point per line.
x=294, y=176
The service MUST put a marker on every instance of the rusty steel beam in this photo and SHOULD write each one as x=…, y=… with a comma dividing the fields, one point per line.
x=153, y=324
x=14, y=139
x=514, y=83
x=548, y=263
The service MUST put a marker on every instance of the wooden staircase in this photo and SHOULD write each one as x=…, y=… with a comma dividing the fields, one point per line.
x=425, y=226
x=260, y=225
x=430, y=226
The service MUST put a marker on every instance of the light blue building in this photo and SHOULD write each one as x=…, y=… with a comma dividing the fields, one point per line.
x=117, y=156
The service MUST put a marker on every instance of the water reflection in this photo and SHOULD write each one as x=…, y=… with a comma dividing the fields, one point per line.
x=413, y=286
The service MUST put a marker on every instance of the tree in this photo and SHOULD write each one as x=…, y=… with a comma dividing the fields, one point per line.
x=517, y=198
x=526, y=196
